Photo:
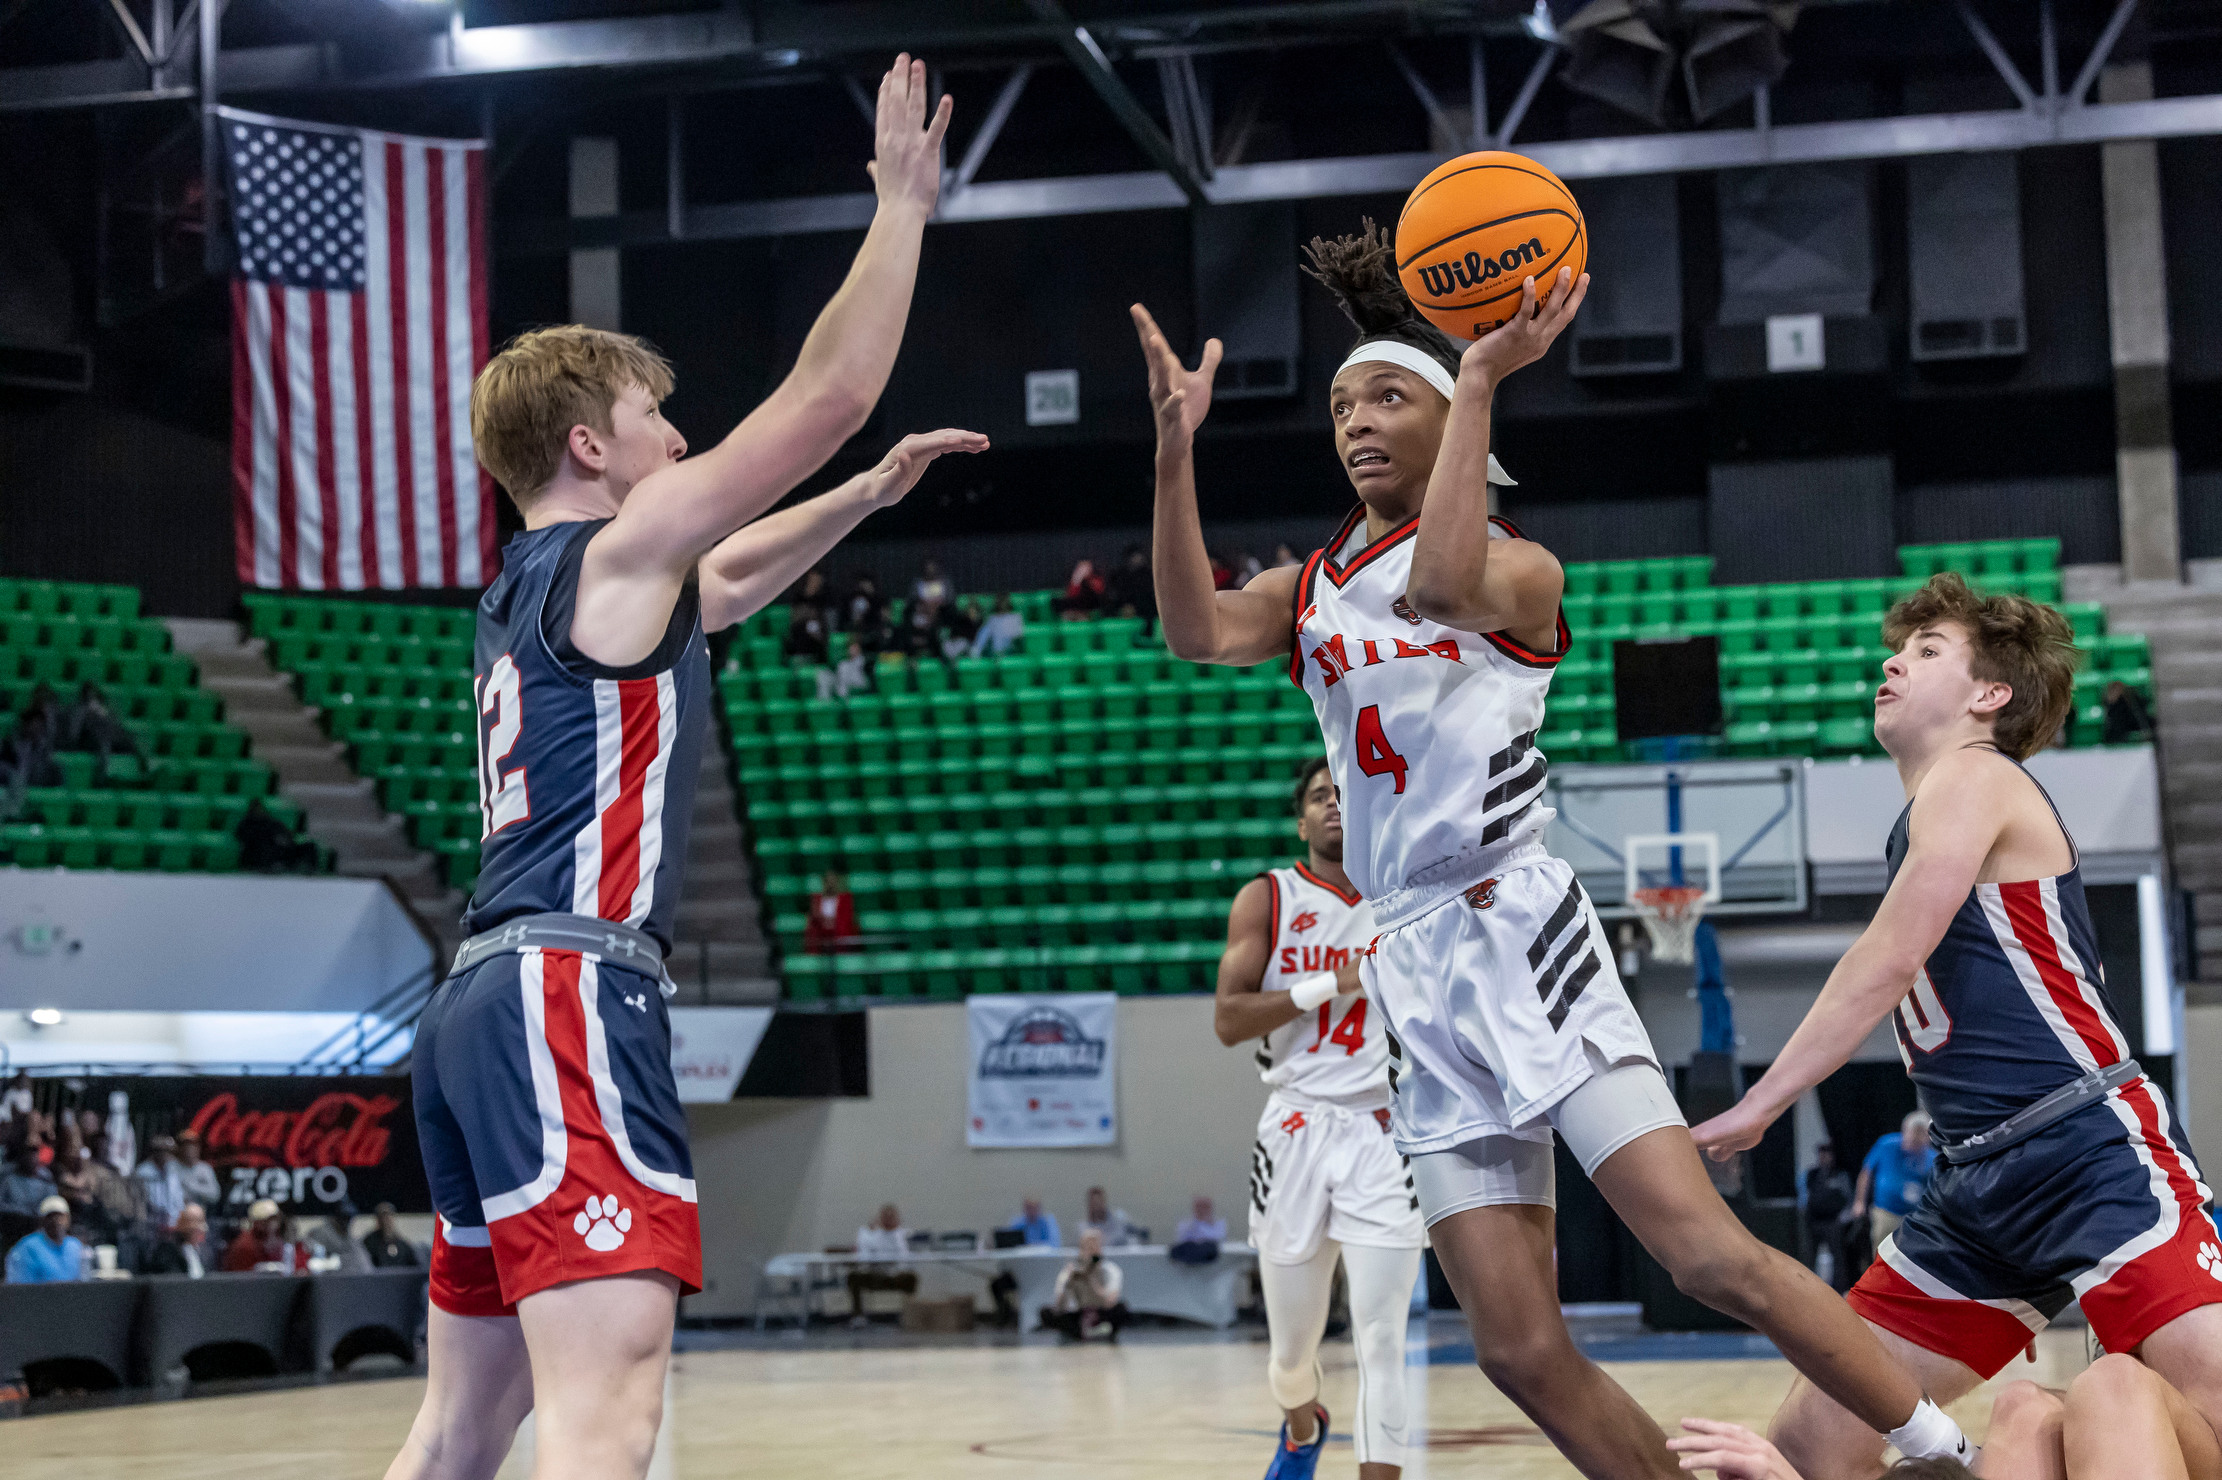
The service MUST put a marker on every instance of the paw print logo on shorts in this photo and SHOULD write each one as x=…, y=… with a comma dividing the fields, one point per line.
x=604, y=1223
x=2210, y=1260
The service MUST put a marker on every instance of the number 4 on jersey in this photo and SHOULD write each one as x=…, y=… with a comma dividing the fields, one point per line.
x=1376, y=756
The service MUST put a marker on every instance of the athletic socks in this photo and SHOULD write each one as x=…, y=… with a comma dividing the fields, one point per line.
x=1931, y=1434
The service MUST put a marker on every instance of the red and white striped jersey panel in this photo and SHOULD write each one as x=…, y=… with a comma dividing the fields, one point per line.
x=2026, y=918
x=616, y=855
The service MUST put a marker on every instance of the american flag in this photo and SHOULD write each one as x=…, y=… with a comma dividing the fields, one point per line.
x=358, y=322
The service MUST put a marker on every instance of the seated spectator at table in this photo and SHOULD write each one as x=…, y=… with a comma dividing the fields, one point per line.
x=334, y=1238
x=1086, y=1298
x=263, y=1245
x=51, y=1254
x=162, y=1183
x=884, y=1238
x=1003, y=630
x=1199, y=1236
x=16, y=1101
x=1131, y=591
x=1083, y=596
x=186, y=1250
x=960, y=628
x=2128, y=720
x=829, y=926
x=89, y=724
x=1112, y=1224
x=25, y=1184
x=1037, y=1226
x=932, y=588
x=268, y=846
x=197, y=1176
x=385, y=1245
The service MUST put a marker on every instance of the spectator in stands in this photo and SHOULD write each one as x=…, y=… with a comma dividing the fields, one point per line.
x=830, y=926
x=960, y=628
x=1824, y=1198
x=89, y=724
x=854, y=675
x=73, y=1177
x=51, y=1255
x=885, y=1239
x=334, y=1238
x=863, y=610
x=162, y=1183
x=932, y=588
x=385, y=1245
x=268, y=846
x=1222, y=572
x=197, y=1176
x=25, y=1184
x=815, y=590
x=186, y=1250
x=119, y=1208
x=1037, y=1226
x=2128, y=720
x=807, y=635
x=1894, y=1176
x=27, y=754
x=1112, y=1224
x=1132, y=592
x=1002, y=631
x=1083, y=596
x=1247, y=568
x=919, y=638
x=1284, y=556
x=1086, y=1298
x=16, y=1101
x=263, y=1244
x=1200, y=1234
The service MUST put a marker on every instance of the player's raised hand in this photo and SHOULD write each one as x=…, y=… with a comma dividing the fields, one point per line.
x=906, y=154
x=1522, y=339
x=907, y=460
x=1729, y=1450
x=1180, y=397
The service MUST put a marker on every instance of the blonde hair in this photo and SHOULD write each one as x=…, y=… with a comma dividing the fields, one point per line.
x=2023, y=644
x=545, y=382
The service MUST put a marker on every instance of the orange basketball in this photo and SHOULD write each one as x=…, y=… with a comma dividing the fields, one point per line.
x=1478, y=226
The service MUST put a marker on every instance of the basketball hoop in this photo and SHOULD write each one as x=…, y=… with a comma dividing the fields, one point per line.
x=1670, y=914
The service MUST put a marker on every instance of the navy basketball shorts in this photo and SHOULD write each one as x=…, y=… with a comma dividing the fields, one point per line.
x=552, y=1131
x=2104, y=1206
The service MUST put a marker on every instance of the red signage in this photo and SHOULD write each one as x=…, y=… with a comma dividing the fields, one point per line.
x=336, y=1129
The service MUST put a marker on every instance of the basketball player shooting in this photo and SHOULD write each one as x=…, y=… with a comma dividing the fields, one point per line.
x=1425, y=633
x=2062, y=1172
x=1326, y=1182
x=550, y=1124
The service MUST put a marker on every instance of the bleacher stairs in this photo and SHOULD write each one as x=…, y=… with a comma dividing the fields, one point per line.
x=719, y=956
x=338, y=808
x=2183, y=625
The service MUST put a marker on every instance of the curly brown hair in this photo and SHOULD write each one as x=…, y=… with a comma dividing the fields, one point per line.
x=2023, y=644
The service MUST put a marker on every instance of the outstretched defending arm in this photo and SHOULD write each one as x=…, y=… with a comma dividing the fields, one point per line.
x=634, y=568
x=1458, y=578
x=752, y=565
x=1201, y=624
x=1958, y=815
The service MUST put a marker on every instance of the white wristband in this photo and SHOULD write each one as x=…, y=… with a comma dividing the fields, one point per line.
x=1313, y=990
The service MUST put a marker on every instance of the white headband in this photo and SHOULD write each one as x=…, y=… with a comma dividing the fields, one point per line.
x=1426, y=367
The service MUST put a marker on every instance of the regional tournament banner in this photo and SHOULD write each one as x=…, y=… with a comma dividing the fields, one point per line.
x=1044, y=1070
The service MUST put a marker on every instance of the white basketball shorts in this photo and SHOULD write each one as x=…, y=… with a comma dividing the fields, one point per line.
x=1500, y=1002
x=1320, y=1171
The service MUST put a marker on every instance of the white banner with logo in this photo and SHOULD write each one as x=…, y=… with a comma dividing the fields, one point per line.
x=1045, y=1070
x=711, y=1047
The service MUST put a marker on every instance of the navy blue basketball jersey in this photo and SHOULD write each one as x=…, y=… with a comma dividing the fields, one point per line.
x=2011, y=1004
x=585, y=773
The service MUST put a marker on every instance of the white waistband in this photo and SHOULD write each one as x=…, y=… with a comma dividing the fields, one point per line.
x=1296, y=1101
x=1448, y=879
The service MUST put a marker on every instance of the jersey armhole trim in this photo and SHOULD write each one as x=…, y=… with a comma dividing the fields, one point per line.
x=1272, y=879
x=1528, y=658
x=664, y=658
x=1297, y=605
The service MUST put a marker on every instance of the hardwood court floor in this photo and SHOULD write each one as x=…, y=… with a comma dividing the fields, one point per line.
x=1143, y=1410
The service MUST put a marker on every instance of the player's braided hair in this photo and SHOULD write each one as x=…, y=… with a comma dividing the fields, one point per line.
x=1312, y=767
x=1361, y=272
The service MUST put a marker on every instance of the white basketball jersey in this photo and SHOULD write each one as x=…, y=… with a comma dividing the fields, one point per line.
x=1337, y=1053
x=1430, y=731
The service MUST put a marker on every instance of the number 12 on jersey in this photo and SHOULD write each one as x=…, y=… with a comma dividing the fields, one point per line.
x=1376, y=756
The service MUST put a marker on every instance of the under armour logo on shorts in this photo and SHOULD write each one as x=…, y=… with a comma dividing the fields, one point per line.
x=1483, y=895
x=638, y=1002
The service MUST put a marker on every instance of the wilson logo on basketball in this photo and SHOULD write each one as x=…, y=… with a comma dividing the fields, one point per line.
x=1473, y=269
x=1303, y=922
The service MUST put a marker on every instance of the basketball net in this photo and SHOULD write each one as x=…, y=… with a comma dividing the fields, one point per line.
x=1670, y=914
